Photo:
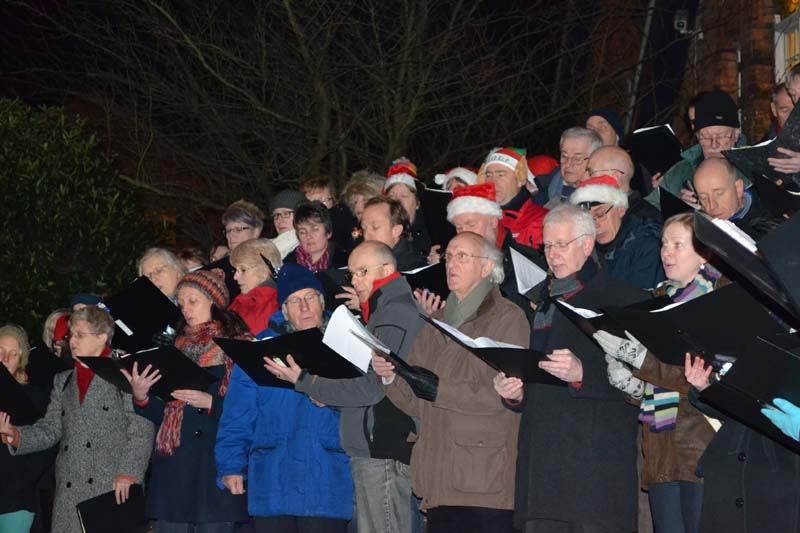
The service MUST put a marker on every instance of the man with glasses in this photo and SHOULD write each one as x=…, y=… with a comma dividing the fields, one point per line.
x=576, y=145
x=717, y=129
x=576, y=465
x=628, y=246
x=374, y=432
x=463, y=465
x=615, y=162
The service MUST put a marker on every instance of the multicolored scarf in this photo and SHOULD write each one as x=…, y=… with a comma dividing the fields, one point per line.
x=659, y=408
x=304, y=259
x=197, y=343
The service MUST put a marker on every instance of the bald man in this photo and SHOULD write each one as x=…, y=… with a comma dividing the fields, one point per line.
x=615, y=162
x=722, y=195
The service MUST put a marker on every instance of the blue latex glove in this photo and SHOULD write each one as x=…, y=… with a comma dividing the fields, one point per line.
x=787, y=419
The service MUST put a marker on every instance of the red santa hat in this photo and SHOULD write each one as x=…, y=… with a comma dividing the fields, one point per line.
x=599, y=190
x=480, y=199
x=539, y=165
x=468, y=175
x=401, y=171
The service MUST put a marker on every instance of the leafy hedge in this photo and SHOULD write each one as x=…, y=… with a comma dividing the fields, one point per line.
x=66, y=225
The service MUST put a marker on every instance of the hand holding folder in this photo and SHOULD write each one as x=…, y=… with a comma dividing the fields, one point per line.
x=102, y=514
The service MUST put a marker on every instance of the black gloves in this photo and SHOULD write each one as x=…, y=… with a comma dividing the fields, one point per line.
x=163, y=340
x=422, y=381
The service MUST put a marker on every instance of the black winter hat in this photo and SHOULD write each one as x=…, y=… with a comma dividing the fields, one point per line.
x=716, y=108
x=286, y=199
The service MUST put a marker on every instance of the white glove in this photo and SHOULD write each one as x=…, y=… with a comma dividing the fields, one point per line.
x=628, y=350
x=620, y=377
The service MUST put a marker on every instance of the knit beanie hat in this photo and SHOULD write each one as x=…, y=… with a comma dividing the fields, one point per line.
x=286, y=199
x=540, y=165
x=293, y=278
x=85, y=299
x=209, y=282
x=510, y=158
x=401, y=171
x=468, y=175
x=611, y=117
x=599, y=190
x=480, y=199
x=716, y=108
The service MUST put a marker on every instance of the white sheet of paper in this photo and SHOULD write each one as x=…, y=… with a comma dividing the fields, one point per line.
x=641, y=130
x=339, y=338
x=737, y=234
x=420, y=269
x=479, y=342
x=528, y=273
x=585, y=313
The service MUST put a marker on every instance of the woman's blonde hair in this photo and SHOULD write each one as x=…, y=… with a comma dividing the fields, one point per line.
x=250, y=252
x=19, y=335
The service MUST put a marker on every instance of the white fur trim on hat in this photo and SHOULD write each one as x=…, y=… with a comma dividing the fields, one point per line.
x=602, y=194
x=405, y=179
x=501, y=158
x=472, y=204
x=465, y=175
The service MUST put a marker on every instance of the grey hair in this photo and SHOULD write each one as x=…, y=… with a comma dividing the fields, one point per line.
x=578, y=132
x=285, y=306
x=169, y=258
x=582, y=221
x=99, y=321
x=496, y=256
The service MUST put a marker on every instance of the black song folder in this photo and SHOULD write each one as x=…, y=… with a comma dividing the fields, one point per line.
x=777, y=199
x=589, y=326
x=656, y=148
x=177, y=371
x=333, y=283
x=432, y=277
x=305, y=347
x=433, y=205
x=781, y=254
x=721, y=322
x=102, y=514
x=671, y=205
x=15, y=401
x=140, y=311
x=522, y=363
x=765, y=371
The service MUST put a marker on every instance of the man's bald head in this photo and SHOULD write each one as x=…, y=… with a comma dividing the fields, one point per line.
x=611, y=161
x=719, y=189
x=377, y=250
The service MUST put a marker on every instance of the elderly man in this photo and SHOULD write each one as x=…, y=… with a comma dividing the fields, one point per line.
x=576, y=145
x=615, y=162
x=576, y=466
x=374, y=432
x=606, y=123
x=284, y=421
x=463, y=466
x=716, y=129
x=385, y=220
x=507, y=169
x=722, y=195
x=629, y=247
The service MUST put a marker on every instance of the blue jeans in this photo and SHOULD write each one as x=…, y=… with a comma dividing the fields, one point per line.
x=675, y=506
x=384, y=502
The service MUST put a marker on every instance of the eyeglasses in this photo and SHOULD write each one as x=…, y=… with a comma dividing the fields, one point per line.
x=561, y=246
x=461, y=257
x=308, y=298
x=715, y=139
x=156, y=272
x=596, y=214
x=284, y=216
x=360, y=273
x=592, y=172
x=236, y=230
x=79, y=335
x=574, y=160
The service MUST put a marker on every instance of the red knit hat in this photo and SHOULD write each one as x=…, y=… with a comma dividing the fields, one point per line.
x=209, y=282
x=401, y=171
x=61, y=328
x=480, y=199
x=599, y=190
x=540, y=165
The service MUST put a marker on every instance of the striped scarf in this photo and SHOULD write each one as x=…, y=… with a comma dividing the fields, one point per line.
x=197, y=343
x=659, y=408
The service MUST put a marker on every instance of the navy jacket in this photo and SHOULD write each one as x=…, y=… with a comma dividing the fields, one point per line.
x=634, y=256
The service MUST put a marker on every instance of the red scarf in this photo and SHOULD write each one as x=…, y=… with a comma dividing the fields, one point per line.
x=375, y=286
x=304, y=259
x=84, y=375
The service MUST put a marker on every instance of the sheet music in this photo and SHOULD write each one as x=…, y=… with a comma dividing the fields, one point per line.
x=585, y=313
x=480, y=342
x=642, y=130
x=340, y=337
x=528, y=273
x=419, y=269
x=736, y=234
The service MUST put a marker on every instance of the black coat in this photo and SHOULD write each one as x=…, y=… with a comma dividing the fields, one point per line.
x=182, y=487
x=577, y=448
x=407, y=258
x=751, y=483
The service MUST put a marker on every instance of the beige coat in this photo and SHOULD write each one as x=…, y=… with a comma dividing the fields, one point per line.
x=467, y=447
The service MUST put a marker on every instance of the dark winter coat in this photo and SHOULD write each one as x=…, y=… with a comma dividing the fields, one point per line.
x=634, y=256
x=183, y=486
x=576, y=460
